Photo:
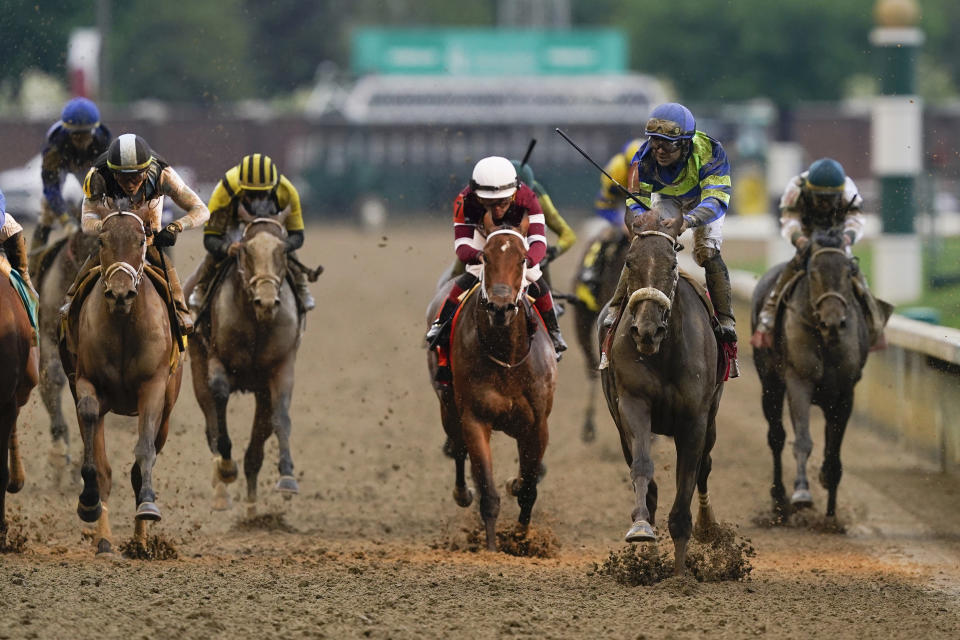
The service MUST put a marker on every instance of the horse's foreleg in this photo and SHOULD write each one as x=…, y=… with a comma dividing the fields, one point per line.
x=690, y=447
x=218, y=437
x=705, y=518
x=476, y=435
x=151, y=411
x=530, y=448
x=17, y=475
x=281, y=388
x=253, y=458
x=6, y=426
x=585, y=321
x=52, y=379
x=635, y=418
x=103, y=536
x=800, y=396
x=836, y=425
x=772, y=400
x=88, y=416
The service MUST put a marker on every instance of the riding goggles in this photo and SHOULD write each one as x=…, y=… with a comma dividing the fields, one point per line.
x=665, y=129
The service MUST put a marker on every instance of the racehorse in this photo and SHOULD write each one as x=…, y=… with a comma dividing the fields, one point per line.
x=663, y=378
x=120, y=356
x=820, y=347
x=504, y=376
x=18, y=376
x=595, y=283
x=247, y=341
x=57, y=268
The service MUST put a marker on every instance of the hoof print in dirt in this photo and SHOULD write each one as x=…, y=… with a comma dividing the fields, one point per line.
x=265, y=522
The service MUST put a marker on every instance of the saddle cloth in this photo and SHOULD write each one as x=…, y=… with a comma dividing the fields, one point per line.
x=29, y=298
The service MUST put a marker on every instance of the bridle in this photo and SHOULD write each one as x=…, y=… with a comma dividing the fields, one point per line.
x=255, y=279
x=831, y=293
x=652, y=293
x=484, y=300
x=135, y=273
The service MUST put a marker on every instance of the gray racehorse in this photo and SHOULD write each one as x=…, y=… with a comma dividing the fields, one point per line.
x=663, y=378
x=820, y=346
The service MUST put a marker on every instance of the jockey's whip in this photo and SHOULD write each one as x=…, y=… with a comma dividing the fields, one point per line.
x=634, y=197
x=170, y=308
x=526, y=156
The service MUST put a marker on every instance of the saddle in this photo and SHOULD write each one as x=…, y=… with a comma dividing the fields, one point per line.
x=30, y=302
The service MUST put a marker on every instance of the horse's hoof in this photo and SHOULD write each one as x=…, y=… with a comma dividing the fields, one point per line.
x=801, y=499
x=14, y=485
x=513, y=486
x=58, y=456
x=148, y=511
x=641, y=531
x=287, y=486
x=91, y=513
x=225, y=471
x=463, y=498
x=221, y=498
x=104, y=549
x=251, y=509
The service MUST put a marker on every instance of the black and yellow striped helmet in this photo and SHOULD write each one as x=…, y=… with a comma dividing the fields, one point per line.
x=258, y=172
x=129, y=153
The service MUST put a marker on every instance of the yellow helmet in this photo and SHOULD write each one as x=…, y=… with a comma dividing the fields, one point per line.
x=630, y=149
x=258, y=173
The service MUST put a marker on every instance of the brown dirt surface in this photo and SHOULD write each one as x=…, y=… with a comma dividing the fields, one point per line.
x=375, y=547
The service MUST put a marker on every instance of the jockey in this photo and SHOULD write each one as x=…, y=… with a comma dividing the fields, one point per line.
x=131, y=177
x=495, y=189
x=680, y=171
x=554, y=221
x=263, y=190
x=12, y=242
x=72, y=145
x=822, y=197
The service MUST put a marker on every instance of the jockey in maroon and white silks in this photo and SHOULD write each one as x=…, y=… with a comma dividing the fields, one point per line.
x=495, y=189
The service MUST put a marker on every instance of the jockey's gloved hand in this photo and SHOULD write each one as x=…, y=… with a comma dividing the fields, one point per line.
x=551, y=255
x=167, y=237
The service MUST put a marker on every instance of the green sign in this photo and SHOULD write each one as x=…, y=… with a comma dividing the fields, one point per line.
x=488, y=52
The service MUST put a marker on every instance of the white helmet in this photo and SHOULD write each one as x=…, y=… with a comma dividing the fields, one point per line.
x=494, y=177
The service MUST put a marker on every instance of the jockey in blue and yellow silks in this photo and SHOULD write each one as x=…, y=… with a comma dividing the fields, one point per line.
x=680, y=171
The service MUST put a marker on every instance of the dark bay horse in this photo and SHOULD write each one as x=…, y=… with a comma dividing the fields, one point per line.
x=248, y=341
x=18, y=376
x=663, y=379
x=504, y=376
x=594, y=284
x=820, y=347
x=125, y=362
x=57, y=268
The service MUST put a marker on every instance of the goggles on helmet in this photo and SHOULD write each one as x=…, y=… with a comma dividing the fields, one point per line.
x=664, y=128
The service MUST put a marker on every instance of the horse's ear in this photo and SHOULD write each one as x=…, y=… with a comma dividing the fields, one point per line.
x=524, y=225
x=283, y=215
x=488, y=224
x=674, y=225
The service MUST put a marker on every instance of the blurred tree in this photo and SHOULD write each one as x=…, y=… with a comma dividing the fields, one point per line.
x=183, y=52
x=34, y=35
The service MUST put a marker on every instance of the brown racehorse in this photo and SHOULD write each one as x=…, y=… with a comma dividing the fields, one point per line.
x=504, y=376
x=18, y=376
x=248, y=341
x=663, y=379
x=594, y=284
x=124, y=364
x=53, y=277
x=820, y=347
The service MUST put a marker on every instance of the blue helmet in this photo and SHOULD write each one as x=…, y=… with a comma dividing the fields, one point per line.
x=80, y=114
x=671, y=121
x=826, y=174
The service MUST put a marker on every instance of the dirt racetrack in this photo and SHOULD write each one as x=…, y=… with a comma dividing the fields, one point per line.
x=375, y=547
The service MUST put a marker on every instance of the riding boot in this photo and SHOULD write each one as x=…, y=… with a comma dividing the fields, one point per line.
x=767, y=318
x=439, y=332
x=16, y=250
x=553, y=328
x=303, y=291
x=721, y=295
x=39, y=240
x=180, y=306
x=204, y=274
